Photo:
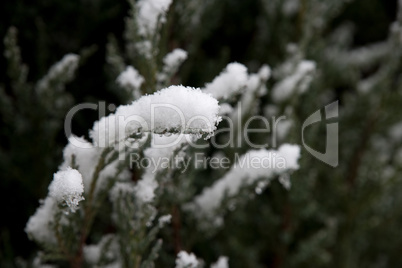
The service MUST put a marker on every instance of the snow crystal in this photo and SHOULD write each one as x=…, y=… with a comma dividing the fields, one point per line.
x=185, y=260
x=38, y=225
x=250, y=167
x=296, y=82
x=173, y=109
x=67, y=186
x=222, y=262
x=149, y=11
x=229, y=82
x=130, y=78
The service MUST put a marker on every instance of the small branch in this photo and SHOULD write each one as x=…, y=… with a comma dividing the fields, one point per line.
x=176, y=229
x=89, y=213
x=60, y=241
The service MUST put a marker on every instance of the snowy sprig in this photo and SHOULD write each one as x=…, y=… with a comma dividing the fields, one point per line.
x=61, y=72
x=131, y=80
x=163, y=220
x=145, y=48
x=173, y=60
x=149, y=12
x=171, y=63
x=225, y=109
x=250, y=167
x=174, y=109
x=16, y=69
x=395, y=132
x=222, y=262
x=162, y=148
x=296, y=82
x=185, y=260
x=38, y=226
x=83, y=155
x=255, y=85
x=38, y=262
x=107, y=249
x=229, y=82
x=121, y=189
x=67, y=187
x=254, y=89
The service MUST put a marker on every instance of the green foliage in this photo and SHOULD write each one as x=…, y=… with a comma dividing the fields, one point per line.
x=331, y=217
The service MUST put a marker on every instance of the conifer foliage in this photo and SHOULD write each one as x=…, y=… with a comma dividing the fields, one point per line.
x=224, y=174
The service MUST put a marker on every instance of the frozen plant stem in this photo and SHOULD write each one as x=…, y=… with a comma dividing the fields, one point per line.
x=89, y=210
x=176, y=229
x=59, y=238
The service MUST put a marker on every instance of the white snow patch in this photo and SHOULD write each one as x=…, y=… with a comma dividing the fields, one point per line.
x=132, y=80
x=173, y=109
x=222, y=262
x=149, y=11
x=38, y=225
x=298, y=81
x=185, y=260
x=67, y=186
x=248, y=168
x=229, y=82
